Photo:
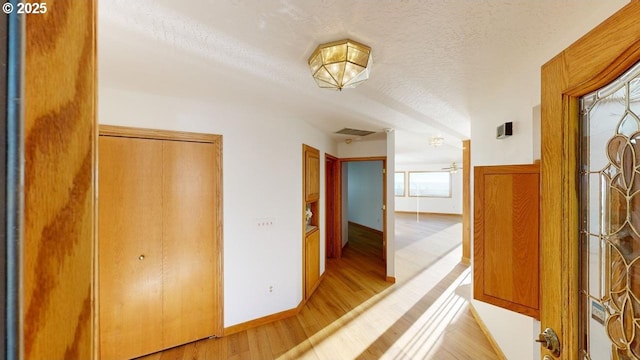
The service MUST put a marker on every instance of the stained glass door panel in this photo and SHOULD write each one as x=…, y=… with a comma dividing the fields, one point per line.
x=610, y=220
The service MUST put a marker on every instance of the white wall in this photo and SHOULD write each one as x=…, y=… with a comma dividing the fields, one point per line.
x=261, y=179
x=365, y=193
x=450, y=205
x=369, y=148
x=513, y=99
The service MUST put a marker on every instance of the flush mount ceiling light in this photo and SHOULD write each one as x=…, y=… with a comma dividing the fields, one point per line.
x=340, y=64
x=436, y=141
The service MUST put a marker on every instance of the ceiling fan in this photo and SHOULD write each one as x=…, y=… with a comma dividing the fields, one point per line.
x=453, y=168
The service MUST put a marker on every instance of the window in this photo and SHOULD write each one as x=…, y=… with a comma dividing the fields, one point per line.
x=400, y=184
x=430, y=183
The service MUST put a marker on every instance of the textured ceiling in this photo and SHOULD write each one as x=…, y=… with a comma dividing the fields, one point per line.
x=431, y=59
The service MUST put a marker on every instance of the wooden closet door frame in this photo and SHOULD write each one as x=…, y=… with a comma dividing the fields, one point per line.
x=216, y=140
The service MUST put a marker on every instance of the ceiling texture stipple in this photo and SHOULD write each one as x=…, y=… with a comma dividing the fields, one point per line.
x=432, y=60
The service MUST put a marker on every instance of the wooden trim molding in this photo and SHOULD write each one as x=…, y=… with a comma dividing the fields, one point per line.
x=391, y=279
x=59, y=151
x=333, y=206
x=487, y=333
x=270, y=318
x=230, y=330
x=373, y=158
x=133, y=132
x=466, y=202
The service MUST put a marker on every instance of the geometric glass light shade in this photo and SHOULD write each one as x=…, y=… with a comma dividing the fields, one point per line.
x=340, y=64
x=436, y=141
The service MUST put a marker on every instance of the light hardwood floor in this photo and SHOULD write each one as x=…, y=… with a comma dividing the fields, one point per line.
x=355, y=314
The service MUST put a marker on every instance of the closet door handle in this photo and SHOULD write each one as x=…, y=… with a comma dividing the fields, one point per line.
x=141, y=257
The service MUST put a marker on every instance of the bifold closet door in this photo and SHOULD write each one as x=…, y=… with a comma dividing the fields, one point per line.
x=188, y=219
x=130, y=252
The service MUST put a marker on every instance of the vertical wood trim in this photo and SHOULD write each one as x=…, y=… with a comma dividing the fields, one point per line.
x=60, y=121
x=552, y=209
x=466, y=202
x=384, y=211
x=333, y=200
x=590, y=63
x=219, y=219
x=487, y=333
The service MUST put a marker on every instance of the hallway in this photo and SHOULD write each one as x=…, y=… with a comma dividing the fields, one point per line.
x=355, y=314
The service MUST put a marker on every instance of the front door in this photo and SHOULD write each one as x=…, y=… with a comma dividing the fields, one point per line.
x=609, y=250
x=595, y=316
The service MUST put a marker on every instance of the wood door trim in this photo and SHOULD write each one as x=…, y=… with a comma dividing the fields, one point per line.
x=143, y=133
x=336, y=198
x=466, y=202
x=56, y=315
x=384, y=197
x=373, y=158
x=591, y=62
x=216, y=140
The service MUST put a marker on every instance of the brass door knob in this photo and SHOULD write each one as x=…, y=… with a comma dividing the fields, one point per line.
x=549, y=339
x=141, y=257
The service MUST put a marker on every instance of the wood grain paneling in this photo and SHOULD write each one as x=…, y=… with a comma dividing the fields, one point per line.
x=466, y=202
x=333, y=204
x=310, y=238
x=590, y=63
x=130, y=262
x=312, y=173
x=189, y=266
x=312, y=261
x=506, y=245
x=60, y=125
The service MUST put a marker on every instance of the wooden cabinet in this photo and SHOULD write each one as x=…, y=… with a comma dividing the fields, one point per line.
x=130, y=260
x=311, y=230
x=311, y=174
x=312, y=260
x=506, y=241
x=158, y=234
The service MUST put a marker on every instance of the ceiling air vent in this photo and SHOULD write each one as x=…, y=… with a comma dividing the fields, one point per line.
x=355, y=132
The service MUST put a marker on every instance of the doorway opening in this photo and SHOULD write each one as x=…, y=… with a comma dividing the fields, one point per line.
x=355, y=203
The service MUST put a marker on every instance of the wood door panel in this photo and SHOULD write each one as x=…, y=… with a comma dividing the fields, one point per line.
x=506, y=243
x=57, y=265
x=312, y=261
x=312, y=174
x=189, y=241
x=129, y=255
x=511, y=231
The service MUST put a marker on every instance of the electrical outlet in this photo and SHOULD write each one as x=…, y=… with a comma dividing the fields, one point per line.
x=264, y=223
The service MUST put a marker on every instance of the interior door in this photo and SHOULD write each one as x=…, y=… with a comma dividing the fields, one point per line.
x=130, y=255
x=594, y=61
x=189, y=266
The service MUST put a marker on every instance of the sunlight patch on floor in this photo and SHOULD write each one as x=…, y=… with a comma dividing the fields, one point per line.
x=393, y=317
x=423, y=337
